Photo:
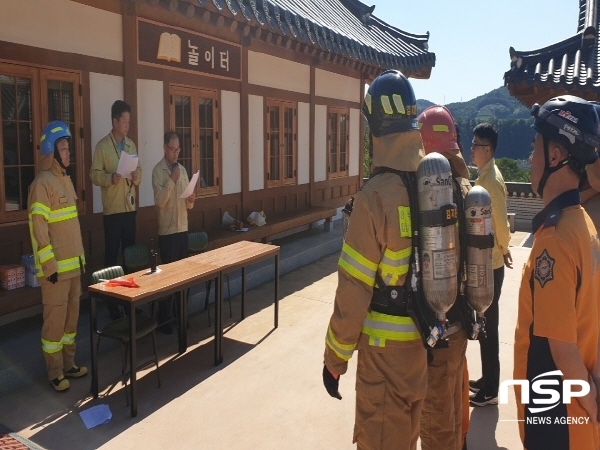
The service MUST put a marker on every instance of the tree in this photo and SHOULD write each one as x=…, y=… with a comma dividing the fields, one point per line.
x=511, y=171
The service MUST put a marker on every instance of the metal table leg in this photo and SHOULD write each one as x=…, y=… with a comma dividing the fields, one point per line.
x=132, y=359
x=94, y=344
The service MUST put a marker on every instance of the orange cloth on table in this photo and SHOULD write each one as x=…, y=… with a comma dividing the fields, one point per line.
x=129, y=282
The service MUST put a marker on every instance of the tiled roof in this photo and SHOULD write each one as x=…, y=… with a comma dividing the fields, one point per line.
x=571, y=65
x=344, y=28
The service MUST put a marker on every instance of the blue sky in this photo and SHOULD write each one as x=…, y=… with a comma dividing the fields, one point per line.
x=471, y=38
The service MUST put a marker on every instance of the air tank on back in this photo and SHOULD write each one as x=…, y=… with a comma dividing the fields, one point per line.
x=437, y=222
x=480, y=241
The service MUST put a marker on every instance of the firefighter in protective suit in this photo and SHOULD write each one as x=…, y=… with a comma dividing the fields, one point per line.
x=58, y=254
x=556, y=338
x=441, y=418
x=391, y=377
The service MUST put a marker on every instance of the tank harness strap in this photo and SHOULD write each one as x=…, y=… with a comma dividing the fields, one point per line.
x=480, y=242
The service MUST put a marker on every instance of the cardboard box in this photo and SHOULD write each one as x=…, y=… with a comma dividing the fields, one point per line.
x=12, y=276
x=13, y=284
x=10, y=272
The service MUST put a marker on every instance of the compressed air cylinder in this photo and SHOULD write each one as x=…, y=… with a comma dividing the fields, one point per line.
x=480, y=241
x=437, y=222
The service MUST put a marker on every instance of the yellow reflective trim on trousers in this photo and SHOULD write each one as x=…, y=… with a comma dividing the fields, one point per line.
x=51, y=347
x=68, y=338
x=343, y=351
x=58, y=215
x=443, y=128
x=45, y=253
x=357, y=265
x=39, y=208
x=381, y=327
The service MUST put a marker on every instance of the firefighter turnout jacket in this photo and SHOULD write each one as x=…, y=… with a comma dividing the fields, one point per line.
x=378, y=240
x=54, y=225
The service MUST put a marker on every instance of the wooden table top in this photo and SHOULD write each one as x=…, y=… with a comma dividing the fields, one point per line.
x=234, y=255
x=171, y=276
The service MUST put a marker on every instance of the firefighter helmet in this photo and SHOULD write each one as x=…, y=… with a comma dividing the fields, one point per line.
x=54, y=131
x=390, y=105
x=570, y=119
x=438, y=130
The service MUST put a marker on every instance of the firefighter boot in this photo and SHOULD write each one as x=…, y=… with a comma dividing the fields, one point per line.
x=60, y=384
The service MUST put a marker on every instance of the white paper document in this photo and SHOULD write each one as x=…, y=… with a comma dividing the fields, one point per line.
x=127, y=164
x=189, y=190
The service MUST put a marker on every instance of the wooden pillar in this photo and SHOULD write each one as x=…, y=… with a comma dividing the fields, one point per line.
x=311, y=127
x=130, y=43
x=245, y=127
x=361, y=140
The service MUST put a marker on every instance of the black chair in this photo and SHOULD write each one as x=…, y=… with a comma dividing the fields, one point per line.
x=119, y=330
x=197, y=242
x=136, y=257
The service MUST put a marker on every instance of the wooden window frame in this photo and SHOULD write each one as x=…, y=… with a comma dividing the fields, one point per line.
x=195, y=94
x=77, y=143
x=39, y=118
x=335, y=172
x=282, y=104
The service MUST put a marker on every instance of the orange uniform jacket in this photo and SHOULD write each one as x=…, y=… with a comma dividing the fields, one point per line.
x=558, y=299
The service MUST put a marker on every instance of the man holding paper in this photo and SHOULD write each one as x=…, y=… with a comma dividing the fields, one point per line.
x=169, y=181
x=117, y=181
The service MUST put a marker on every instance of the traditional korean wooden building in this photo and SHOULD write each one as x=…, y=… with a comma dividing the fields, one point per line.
x=570, y=66
x=265, y=95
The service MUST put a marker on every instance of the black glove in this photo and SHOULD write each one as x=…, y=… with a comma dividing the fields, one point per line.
x=53, y=278
x=331, y=384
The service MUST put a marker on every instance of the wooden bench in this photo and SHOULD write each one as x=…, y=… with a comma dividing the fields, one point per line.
x=276, y=224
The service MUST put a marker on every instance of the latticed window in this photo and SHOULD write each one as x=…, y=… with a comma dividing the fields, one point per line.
x=281, y=143
x=337, y=142
x=29, y=99
x=194, y=118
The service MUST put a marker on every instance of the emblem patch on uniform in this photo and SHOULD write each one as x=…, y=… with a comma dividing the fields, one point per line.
x=544, y=268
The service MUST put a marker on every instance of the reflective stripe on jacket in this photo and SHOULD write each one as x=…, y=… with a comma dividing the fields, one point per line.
x=54, y=224
x=378, y=240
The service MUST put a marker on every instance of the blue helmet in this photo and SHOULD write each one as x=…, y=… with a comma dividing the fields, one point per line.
x=390, y=105
x=54, y=131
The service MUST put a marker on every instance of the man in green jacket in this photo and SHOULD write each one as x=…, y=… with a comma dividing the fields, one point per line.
x=118, y=190
x=483, y=148
x=169, y=180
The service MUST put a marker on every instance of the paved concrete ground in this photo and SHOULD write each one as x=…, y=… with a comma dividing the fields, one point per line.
x=266, y=395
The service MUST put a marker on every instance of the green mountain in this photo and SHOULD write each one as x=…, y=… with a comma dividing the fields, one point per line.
x=511, y=118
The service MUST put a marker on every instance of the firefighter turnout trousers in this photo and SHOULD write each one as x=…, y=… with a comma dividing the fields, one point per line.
x=61, y=311
x=390, y=389
x=441, y=419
